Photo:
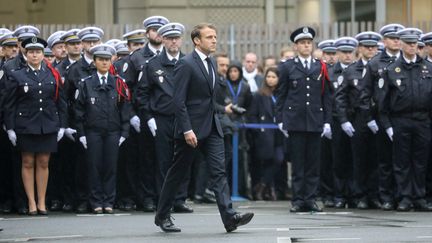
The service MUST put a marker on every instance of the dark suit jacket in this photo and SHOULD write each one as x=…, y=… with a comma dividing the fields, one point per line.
x=194, y=97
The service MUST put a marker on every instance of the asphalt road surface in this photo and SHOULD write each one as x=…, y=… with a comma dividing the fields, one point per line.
x=272, y=223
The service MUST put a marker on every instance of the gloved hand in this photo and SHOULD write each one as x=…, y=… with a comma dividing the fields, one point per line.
x=136, y=123
x=152, y=126
x=60, y=134
x=83, y=140
x=327, y=132
x=122, y=139
x=373, y=126
x=348, y=128
x=389, y=132
x=285, y=132
x=69, y=132
x=12, y=136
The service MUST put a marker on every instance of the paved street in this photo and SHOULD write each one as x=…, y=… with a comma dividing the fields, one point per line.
x=272, y=223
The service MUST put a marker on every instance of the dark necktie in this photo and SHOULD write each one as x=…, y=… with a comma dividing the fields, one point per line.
x=174, y=61
x=392, y=58
x=210, y=69
x=306, y=67
x=103, y=78
x=157, y=52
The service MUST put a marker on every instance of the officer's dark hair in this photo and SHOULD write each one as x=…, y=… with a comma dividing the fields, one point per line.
x=266, y=90
x=220, y=54
x=196, y=31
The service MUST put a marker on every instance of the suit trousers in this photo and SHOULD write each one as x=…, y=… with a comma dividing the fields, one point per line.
x=102, y=154
x=213, y=149
x=386, y=182
x=305, y=154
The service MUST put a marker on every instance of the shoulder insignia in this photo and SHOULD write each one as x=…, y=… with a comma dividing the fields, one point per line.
x=380, y=83
x=340, y=79
x=1, y=74
x=125, y=67
x=398, y=82
x=84, y=79
x=335, y=85
x=364, y=72
x=140, y=76
x=76, y=94
x=355, y=81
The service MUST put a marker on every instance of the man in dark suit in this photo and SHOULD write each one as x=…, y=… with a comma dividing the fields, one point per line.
x=197, y=128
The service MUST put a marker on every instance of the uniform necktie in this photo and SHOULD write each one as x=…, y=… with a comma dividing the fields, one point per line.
x=157, y=52
x=393, y=58
x=306, y=67
x=210, y=69
x=174, y=60
x=103, y=81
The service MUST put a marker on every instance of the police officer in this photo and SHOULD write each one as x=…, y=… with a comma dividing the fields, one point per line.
x=427, y=39
x=304, y=113
x=102, y=121
x=368, y=106
x=121, y=50
x=128, y=164
x=326, y=182
x=84, y=67
x=405, y=110
x=342, y=156
x=35, y=118
x=140, y=147
x=347, y=99
x=154, y=98
x=9, y=45
x=57, y=46
x=16, y=63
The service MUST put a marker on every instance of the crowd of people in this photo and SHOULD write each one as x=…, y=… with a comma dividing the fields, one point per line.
x=98, y=127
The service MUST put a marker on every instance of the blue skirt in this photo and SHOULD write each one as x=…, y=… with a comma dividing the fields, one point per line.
x=37, y=143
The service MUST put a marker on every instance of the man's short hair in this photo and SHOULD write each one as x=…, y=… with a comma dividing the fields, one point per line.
x=196, y=31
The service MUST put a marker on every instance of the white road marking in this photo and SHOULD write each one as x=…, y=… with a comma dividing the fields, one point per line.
x=326, y=239
x=23, y=218
x=54, y=237
x=314, y=227
x=283, y=240
x=103, y=215
x=282, y=229
x=424, y=237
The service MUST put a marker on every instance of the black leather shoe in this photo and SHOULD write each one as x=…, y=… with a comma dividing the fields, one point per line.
x=340, y=204
x=7, y=208
x=97, y=211
x=209, y=198
x=42, y=212
x=108, y=210
x=148, y=207
x=129, y=206
x=55, y=205
x=32, y=213
x=238, y=220
x=23, y=211
x=296, y=209
x=375, y=204
x=329, y=203
x=422, y=205
x=182, y=208
x=404, y=206
x=387, y=206
x=67, y=208
x=362, y=204
x=82, y=208
x=314, y=208
x=167, y=225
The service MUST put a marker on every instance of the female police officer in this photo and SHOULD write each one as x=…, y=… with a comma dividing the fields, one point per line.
x=35, y=117
x=102, y=115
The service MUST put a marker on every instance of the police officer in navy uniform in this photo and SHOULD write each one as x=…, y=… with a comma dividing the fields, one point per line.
x=84, y=67
x=57, y=47
x=154, y=100
x=365, y=169
x=16, y=63
x=35, y=118
x=9, y=45
x=140, y=145
x=326, y=175
x=342, y=156
x=303, y=112
x=128, y=160
x=102, y=120
x=369, y=109
x=427, y=39
x=405, y=108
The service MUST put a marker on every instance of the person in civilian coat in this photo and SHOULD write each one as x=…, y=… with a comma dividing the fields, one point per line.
x=197, y=128
x=35, y=118
x=268, y=143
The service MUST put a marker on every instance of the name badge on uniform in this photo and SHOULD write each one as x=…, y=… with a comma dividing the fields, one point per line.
x=340, y=79
x=398, y=82
x=295, y=83
x=26, y=88
x=92, y=100
x=355, y=81
x=381, y=83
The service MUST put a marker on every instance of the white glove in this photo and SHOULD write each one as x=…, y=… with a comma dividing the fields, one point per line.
x=285, y=132
x=373, y=126
x=12, y=136
x=69, y=132
x=135, y=123
x=60, y=134
x=348, y=128
x=152, y=126
x=389, y=132
x=327, y=132
x=122, y=139
x=83, y=140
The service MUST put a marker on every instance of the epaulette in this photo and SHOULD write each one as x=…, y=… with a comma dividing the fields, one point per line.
x=84, y=79
x=132, y=52
x=151, y=58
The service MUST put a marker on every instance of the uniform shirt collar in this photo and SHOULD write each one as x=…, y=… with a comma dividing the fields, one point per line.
x=365, y=62
x=302, y=60
x=391, y=55
x=71, y=61
x=87, y=59
x=344, y=65
x=34, y=69
x=171, y=57
x=102, y=75
x=410, y=61
x=154, y=50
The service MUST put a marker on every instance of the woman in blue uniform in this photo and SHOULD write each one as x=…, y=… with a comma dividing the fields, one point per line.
x=35, y=117
x=102, y=111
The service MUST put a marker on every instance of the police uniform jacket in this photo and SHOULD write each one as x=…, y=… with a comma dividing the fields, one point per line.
x=155, y=90
x=334, y=71
x=135, y=63
x=31, y=103
x=264, y=141
x=63, y=66
x=100, y=108
x=347, y=97
x=369, y=87
x=407, y=91
x=304, y=98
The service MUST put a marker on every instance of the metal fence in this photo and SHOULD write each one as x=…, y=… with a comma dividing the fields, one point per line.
x=238, y=39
